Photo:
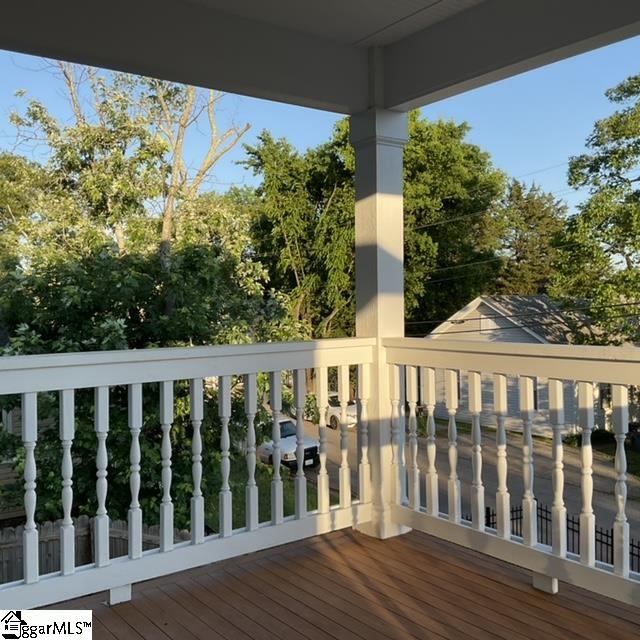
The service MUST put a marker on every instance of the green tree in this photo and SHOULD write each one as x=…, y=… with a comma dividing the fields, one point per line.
x=304, y=223
x=600, y=265
x=98, y=240
x=533, y=222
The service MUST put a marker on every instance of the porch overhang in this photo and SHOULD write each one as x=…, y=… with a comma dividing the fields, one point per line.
x=334, y=55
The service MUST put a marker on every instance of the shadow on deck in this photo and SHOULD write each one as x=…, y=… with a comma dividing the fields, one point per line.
x=346, y=585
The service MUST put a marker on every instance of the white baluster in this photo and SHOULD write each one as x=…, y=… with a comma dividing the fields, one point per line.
x=224, y=411
x=30, y=531
x=558, y=510
x=402, y=434
x=396, y=459
x=251, y=490
x=414, y=471
x=101, y=521
x=275, y=399
x=453, y=485
x=197, y=500
x=166, y=506
x=300, y=482
x=428, y=391
x=620, y=401
x=529, y=503
x=587, y=517
x=67, y=530
x=364, y=469
x=345, y=472
x=477, y=488
x=503, y=499
x=322, y=398
x=135, y=512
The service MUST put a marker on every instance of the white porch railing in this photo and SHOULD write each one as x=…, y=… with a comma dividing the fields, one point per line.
x=415, y=361
x=29, y=375
x=412, y=364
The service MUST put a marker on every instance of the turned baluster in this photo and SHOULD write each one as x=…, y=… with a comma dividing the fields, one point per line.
x=30, y=544
x=414, y=471
x=101, y=521
x=275, y=399
x=587, y=516
x=620, y=401
x=477, y=487
x=428, y=399
x=197, y=500
x=503, y=499
x=251, y=489
x=558, y=510
x=67, y=530
x=225, y=496
x=166, y=505
x=300, y=482
x=364, y=468
x=529, y=503
x=453, y=484
x=322, y=398
x=135, y=512
x=345, y=472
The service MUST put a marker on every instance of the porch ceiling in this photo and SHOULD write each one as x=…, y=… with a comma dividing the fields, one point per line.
x=319, y=53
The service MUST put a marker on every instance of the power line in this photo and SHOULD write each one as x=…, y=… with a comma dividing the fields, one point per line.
x=528, y=314
x=523, y=326
x=488, y=260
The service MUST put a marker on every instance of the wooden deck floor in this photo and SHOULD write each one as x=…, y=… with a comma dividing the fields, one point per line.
x=346, y=585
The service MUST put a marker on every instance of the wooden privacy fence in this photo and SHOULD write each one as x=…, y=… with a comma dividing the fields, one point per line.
x=11, y=548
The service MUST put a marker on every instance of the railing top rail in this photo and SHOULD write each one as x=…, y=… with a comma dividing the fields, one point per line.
x=49, y=372
x=619, y=365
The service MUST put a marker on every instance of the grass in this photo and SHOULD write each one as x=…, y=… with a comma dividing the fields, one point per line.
x=605, y=443
x=264, y=475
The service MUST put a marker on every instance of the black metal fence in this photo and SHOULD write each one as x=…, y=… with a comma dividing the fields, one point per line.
x=604, y=537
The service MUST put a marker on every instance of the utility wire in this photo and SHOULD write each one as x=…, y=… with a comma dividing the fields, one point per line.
x=528, y=314
x=488, y=260
x=519, y=326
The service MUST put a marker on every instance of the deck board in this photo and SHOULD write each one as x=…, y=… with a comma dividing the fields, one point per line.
x=348, y=586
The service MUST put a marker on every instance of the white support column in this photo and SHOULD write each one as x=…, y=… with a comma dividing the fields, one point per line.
x=379, y=137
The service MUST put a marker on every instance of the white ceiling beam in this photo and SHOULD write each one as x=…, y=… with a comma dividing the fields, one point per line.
x=498, y=39
x=188, y=42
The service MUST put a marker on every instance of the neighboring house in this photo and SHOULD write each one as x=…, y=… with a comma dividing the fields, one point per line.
x=517, y=320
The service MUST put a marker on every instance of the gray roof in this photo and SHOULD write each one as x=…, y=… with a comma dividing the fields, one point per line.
x=543, y=316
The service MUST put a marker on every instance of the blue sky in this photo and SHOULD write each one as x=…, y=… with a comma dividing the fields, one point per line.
x=531, y=124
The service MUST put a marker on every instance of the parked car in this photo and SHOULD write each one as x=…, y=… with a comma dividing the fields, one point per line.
x=288, y=447
x=333, y=413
